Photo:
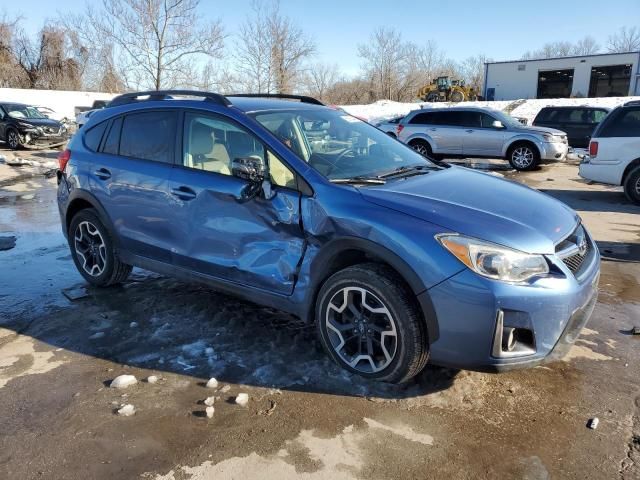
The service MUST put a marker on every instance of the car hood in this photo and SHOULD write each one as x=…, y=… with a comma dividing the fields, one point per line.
x=480, y=205
x=532, y=129
x=39, y=122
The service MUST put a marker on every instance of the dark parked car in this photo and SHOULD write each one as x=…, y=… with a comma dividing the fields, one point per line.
x=577, y=122
x=25, y=126
x=397, y=260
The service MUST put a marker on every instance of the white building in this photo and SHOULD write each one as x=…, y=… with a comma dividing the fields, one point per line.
x=600, y=75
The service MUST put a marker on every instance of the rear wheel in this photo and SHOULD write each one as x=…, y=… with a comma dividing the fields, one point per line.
x=369, y=324
x=632, y=185
x=457, y=96
x=422, y=147
x=93, y=251
x=523, y=156
x=433, y=97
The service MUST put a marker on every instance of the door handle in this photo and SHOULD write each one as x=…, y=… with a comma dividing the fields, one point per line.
x=183, y=193
x=103, y=174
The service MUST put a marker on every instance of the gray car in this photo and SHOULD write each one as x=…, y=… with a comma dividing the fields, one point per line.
x=480, y=132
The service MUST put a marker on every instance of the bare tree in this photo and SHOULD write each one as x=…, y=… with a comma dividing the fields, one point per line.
x=271, y=51
x=156, y=42
x=319, y=78
x=625, y=40
x=472, y=70
x=11, y=73
x=586, y=46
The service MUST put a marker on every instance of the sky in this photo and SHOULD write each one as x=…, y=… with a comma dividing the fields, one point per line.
x=502, y=30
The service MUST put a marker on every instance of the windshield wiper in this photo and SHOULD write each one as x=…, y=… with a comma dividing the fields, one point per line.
x=411, y=169
x=359, y=179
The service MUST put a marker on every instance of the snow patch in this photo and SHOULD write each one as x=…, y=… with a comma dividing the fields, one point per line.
x=212, y=383
x=152, y=379
x=210, y=411
x=127, y=410
x=209, y=401
x=242, y=399
x=123, y=381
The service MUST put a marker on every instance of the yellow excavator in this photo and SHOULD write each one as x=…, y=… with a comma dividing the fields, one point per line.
x=446, y=89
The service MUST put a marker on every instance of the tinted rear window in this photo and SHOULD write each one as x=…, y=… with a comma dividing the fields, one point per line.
x=624, y=123
x=93, y=136
x=113, y=138
x=149, y=136
x=427, y=118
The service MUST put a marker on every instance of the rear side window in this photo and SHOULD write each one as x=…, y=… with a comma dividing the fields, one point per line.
x=93, y=136
x=149, y=136
x=544, y=115
x=454, y=119
x=598, y=115
x=112, y=141
x=625, y=123
x=427, y=118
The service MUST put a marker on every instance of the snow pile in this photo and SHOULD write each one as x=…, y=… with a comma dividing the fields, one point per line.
x=386, y=109
x=210, y=411
x=242, y=399
x=152, y=379
x=61, y=101
x=127, y=410
x=123, y=381
x=212, y=383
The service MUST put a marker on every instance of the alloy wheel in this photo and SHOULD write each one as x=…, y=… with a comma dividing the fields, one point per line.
x=421, y=149
x=522, y=157
x=90, y=248
x=12, y=140
x=637, y=187
x=361, y=329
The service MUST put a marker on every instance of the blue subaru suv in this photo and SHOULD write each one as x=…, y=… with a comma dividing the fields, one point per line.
x=297, y=206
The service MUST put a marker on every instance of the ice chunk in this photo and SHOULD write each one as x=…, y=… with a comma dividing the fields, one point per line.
x=152, y=379
x=212, y=383
x=242, y=399
x=209, y=401
x=208, y=351
x=123, y=381
x=210, y=411
x=127, y=410
x=96, y=336
x=133, y=324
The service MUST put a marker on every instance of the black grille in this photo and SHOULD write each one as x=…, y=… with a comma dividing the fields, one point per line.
x=578, y=238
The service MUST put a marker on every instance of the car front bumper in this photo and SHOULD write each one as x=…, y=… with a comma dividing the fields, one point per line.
x=33, y=139
x=554, y=151
x=473, y=312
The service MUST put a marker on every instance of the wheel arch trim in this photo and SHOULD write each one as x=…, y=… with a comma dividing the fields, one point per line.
x=82, y=195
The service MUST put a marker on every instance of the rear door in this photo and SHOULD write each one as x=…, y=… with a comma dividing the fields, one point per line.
x=449, y=131
x=130, y=178
x=482, y=138
x=257, y=242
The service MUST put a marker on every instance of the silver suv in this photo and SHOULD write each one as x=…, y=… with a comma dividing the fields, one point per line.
x=480, y=132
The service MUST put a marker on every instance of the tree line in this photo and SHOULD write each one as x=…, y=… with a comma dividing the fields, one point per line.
x=118, y=45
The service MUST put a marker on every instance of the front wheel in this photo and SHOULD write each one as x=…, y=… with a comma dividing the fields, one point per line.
x=13, y=139
x=523, y=156
x=93, y=251
x=632, y=186
x=369, y=324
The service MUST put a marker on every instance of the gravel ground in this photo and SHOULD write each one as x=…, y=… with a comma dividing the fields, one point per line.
x=61, y=344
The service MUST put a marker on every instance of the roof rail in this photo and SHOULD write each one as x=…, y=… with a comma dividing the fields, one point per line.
x=167, y=94
x=286, y=96
x=632, y=103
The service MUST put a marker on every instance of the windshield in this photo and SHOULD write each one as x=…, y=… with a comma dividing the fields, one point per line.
x=507, y=120
x=23, y=111
x=338, y=145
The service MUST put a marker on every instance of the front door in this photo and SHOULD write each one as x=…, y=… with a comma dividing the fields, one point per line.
x=256, y=242
x=482, y=138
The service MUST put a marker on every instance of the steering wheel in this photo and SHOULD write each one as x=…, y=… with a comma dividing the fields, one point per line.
x=334, y=164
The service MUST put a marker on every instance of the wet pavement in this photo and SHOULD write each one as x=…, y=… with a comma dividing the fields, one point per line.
x=62, y=342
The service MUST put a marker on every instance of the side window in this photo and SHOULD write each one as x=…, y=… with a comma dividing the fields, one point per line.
x=578, y=115
x=211, y=142
x=2, y=114
x=453, y=118
x=93, y=136
x=112, y=141
x=280, y=173
x=470, y=119
x=149, y=136
x=424, y=119
x=626, y=123
x=487, y=120
x=598, y=115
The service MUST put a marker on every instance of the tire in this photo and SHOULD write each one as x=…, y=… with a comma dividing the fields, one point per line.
x=433, y=97
x=523, y=156
x=394, y=338
x=12, y=139
x=422, y=147
x=632, y=185
x=93, y=250
x=456, y=96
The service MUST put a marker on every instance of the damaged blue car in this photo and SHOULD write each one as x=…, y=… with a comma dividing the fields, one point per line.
x=290, y=204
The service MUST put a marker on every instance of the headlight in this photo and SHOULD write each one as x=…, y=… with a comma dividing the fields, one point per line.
x=494, y=261
x=27, y=125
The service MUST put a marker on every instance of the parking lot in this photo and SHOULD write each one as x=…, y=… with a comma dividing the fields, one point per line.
x=61, y=343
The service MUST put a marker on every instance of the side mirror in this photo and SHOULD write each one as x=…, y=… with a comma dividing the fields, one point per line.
x=253, y=170
x=497, y=124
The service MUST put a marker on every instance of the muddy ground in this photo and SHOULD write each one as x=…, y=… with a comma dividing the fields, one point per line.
x=305, y=418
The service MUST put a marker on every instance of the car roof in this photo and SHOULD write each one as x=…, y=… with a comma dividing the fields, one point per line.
x=255, y=104
x=15, y=104
x=573, y=107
